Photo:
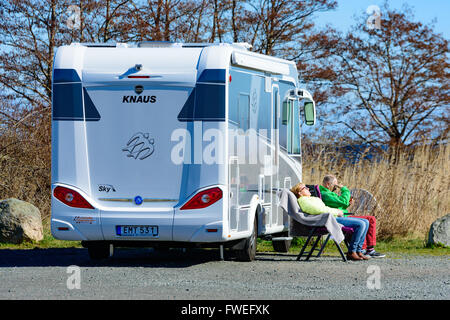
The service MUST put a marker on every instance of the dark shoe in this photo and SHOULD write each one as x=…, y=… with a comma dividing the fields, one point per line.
x=353, y=256
x=362, y=256
x=374, y=254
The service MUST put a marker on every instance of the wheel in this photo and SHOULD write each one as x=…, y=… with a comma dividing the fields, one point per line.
x=281, y=245
x=248, y=253
x=100, y=251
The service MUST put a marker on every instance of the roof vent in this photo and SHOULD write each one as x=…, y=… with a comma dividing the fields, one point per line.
x=157, y=44
x=97, y=45
x=242, y=45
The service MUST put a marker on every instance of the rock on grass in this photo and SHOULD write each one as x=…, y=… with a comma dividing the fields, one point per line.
x=440, y=232
x=19, y=221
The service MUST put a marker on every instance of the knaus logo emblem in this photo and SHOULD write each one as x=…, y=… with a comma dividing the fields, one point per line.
x=138, y=99
x=139, y=146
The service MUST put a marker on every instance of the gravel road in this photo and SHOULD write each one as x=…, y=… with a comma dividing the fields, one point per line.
x=198, y=274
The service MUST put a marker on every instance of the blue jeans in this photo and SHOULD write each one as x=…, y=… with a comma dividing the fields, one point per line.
x=360, y=227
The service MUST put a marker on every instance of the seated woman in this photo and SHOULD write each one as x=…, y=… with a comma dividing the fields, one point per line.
x=314, y=205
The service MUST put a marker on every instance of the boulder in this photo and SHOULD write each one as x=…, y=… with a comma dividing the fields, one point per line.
x=19, y=221
x=440, y=231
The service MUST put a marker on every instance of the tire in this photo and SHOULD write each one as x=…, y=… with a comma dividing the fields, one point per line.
x=248, y=253
x=100, y=251
x=281, y=245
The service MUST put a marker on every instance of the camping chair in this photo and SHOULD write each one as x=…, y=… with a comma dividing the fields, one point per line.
x=300, y=230
x=363, y=202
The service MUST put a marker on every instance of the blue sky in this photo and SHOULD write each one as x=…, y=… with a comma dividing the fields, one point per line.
x=424, y=11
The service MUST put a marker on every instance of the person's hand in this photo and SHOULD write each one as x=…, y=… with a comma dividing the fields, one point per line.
x=341, y=213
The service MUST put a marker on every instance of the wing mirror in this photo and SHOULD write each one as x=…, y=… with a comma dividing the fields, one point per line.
x=309, y=110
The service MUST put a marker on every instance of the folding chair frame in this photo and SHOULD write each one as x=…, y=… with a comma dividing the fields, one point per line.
x=312, y=234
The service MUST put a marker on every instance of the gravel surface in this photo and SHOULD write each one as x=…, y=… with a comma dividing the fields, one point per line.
x=198, y=274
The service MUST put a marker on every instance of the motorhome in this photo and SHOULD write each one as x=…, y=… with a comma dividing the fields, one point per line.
x=174, y=145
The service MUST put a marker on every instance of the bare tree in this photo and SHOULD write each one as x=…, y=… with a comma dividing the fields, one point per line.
x=156, y=20
x=28, y=40
x=393, y=80
x=281, y=25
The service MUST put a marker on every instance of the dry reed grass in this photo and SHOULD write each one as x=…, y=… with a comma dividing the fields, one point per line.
x=25, y=159
x=411, y=192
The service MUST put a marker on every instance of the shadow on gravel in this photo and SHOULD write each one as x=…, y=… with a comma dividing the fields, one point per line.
x=273, y=256
x=123, y=257
x=128, y=257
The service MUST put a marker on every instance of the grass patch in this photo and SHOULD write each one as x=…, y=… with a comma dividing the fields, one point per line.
x=46, y=243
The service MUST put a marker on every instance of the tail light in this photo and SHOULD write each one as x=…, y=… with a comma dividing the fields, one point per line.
x=71, y=198
x=203, y=199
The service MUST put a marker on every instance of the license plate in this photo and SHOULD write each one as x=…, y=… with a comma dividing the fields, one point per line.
x=137, y=231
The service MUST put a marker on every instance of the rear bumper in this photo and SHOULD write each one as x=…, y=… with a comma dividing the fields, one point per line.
x=69, y=227
x=78, y=225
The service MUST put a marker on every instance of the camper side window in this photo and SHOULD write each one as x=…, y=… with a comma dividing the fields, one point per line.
x=285, y=110
x=291, y=118
x=296, y=128
x=244, y=111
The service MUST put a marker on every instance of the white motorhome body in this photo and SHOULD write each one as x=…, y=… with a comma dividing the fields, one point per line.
x=148, y=140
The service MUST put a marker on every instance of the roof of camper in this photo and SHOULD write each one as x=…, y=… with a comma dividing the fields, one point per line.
x=169, y=55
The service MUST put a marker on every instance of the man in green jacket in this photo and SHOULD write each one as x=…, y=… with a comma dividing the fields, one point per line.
x=332, y=199
x=342, y=201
